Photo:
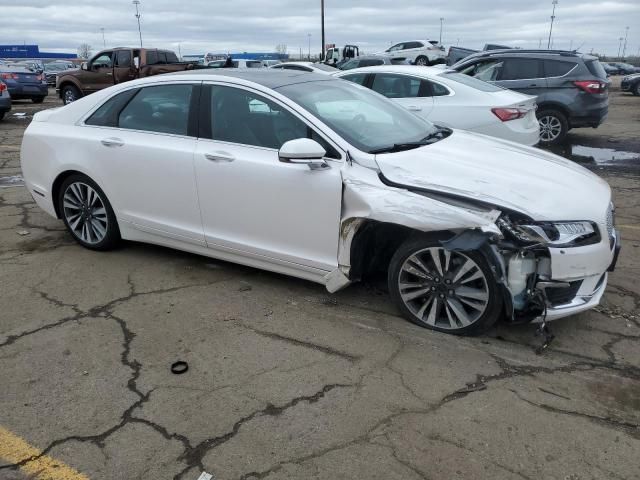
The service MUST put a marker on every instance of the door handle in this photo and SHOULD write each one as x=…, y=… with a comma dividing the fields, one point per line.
x=112, y=142
x=414, y=108
x=219, y=157
x=109, y=73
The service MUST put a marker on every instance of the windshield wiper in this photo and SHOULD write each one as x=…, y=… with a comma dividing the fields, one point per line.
x=433, y=137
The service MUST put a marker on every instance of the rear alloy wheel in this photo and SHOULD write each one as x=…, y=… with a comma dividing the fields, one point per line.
x=452, y=292
x=553, y=126
x=422, y=61
x=87, y=213
x=70, y=94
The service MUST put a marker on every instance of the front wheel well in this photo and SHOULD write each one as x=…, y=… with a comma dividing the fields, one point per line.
x=67, y=83
x=376, y=242
x=55, y=188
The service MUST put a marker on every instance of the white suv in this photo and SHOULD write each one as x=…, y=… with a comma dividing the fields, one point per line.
x=418, y=52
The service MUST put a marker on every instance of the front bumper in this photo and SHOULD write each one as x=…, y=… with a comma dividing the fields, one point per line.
x=590, y=290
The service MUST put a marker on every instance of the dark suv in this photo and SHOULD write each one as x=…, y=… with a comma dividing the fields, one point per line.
x=572, y=88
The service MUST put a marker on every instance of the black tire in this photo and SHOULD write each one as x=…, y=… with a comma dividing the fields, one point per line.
x=553, y=126
x=444, y=289
x=70, y=94
x=1, y=115
x=37, y=99
x=422, y=61
x=636, y=89
x=89, y=216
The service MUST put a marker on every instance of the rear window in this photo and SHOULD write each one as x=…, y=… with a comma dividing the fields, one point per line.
x=596, y=69
x=172, y=57
x=254, y=64
x=557, y=68
x=471, y=82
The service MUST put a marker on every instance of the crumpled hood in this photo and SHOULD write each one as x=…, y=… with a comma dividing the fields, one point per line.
x=539, y=184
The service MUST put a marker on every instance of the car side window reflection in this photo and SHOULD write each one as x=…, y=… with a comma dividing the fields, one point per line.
x=162, y=109
x=243, y=117
x=397, y=86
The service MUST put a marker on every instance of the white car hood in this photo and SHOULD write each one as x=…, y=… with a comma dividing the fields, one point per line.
x=531, y=181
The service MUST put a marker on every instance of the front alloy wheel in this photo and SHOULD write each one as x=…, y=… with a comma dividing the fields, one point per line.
x=448, y=291
x=422, y=61
x=87, y=213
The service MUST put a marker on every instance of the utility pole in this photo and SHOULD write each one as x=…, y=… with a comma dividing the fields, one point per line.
x=322, y=24
x=309, y=37
x=624, y=50
x=136, y=3
x=553, y=17
x=104, y=42
x=571, y=45
x=441, y=20
x=539, y=44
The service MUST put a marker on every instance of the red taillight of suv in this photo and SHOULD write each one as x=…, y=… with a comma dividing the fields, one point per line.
x=591, y=86
x=9, y=76
x=3, y=87
x=506, y=114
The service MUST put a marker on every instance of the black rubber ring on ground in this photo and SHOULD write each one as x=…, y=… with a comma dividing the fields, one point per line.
x=178, y=368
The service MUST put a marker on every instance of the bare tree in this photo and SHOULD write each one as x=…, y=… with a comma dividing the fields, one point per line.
x=281, y=49
x=84, y=51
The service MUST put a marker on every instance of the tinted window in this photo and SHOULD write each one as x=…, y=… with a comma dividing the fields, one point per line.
x=472, y=82
x=556, y=68
x=520, y=69
x=254, y=64
x=123, y=58
x=152, y=57
x=413, y=45
x=397, y=86
x=244, y=117
x=396, y=47
x=595, y=68
x=371, y=63
x=163, y=109
x=172, y=57
x=438, y=90
x=358, y=78
x=487, y=70
x=107, y=114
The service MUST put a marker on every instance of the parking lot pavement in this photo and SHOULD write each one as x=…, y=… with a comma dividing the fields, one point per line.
x=285, y=380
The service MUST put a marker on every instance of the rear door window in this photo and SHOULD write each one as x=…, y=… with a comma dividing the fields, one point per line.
x=399, y=86
x=557, y=68
x=162, y=109
x=521, y=69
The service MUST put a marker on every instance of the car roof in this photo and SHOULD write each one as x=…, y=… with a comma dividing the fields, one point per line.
x=555, y=54
x=267, y=77
x=427, y=72
x=306, y=64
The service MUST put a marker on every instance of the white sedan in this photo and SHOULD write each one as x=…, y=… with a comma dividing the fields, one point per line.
x=324, y=180
x=454, y=100
x=309, y=67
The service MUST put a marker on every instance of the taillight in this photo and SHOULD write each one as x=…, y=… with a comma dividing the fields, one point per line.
x=40, y=77
x=3, y=87
x=591, y=86
x=8, y=76
x=506, y=114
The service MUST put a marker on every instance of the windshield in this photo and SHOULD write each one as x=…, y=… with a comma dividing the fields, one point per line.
x=365, y=119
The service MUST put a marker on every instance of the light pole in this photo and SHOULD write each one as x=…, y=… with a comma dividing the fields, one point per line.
x=620, y=46
x=441, y=20
x=309, y=37
x=136, y=3
x=553, y=17
x=104, y=42
x=624, y=49
x=322, y=24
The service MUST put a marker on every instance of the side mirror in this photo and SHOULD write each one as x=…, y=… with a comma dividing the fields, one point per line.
x=84, y=66
x=303, y=151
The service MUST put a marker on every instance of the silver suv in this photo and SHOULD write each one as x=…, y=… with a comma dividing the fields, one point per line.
x=572, y=88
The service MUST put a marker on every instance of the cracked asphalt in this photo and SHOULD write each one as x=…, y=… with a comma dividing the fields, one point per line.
x=288, y=382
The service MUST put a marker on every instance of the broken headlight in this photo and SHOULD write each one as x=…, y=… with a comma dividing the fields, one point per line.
x=551, y=234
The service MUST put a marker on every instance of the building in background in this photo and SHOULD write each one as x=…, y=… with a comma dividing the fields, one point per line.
x=31, y=52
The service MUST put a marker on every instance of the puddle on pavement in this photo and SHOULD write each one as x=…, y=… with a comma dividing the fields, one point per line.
x=12, y=181
x=597, y=156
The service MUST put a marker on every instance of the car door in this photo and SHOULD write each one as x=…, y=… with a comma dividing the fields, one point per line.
x=143, y=142
x=99, y=73
x=411, y=92
x=252, y=204
x=524, y=75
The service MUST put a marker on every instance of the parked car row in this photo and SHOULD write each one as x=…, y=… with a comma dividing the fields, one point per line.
x=326, y=180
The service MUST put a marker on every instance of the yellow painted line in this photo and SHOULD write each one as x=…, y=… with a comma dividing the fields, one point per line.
x=631, y=227
x=14, y=449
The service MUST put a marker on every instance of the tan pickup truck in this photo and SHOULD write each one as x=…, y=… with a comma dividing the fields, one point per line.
x=113, y=66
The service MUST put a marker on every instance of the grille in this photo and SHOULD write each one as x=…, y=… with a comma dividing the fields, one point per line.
x=562, y=295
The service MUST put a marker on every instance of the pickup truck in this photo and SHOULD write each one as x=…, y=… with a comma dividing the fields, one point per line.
x=113, y=66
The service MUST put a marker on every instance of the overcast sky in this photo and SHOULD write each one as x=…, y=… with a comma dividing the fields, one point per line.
x=259, y=25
